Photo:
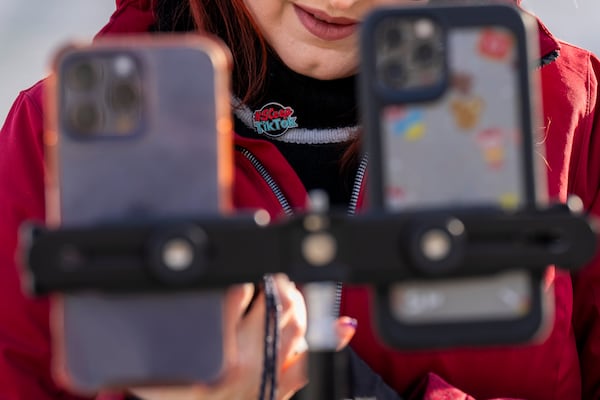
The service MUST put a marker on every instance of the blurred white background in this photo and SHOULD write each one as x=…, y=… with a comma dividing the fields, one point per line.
x=31, y=29
x=575, y=21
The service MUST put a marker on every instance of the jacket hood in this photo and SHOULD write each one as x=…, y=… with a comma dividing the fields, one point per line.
x=135, y=16
x=130, y=16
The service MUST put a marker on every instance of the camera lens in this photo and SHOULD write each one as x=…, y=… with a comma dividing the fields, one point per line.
x=424, y=53
x=393, y=37
x=83, y=76
x=85, y=118
x=123, y=96
x=394, y=73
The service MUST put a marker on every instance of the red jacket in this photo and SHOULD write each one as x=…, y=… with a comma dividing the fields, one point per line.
x=564, y=366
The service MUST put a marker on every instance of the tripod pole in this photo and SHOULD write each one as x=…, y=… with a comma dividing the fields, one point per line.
x=327, y=368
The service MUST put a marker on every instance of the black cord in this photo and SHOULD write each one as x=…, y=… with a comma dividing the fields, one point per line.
x=269, y=374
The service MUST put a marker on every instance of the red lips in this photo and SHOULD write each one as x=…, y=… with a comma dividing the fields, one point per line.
x=324, y=26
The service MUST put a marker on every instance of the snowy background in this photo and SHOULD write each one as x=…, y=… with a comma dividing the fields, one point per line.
x=31, y=29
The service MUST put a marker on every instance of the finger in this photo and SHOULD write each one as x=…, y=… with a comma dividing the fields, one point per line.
x=292, y=323
x=292, y=305
x=282, y=278
x=345, y=328
x=251, y=332
x=235, y=302
x=254, y=313
x=237, y=299
x=300, y=347
x=294, y=376
x=284, y=288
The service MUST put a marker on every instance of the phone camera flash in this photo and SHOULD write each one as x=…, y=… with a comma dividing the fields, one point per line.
x=424, y=28
x=123, y=66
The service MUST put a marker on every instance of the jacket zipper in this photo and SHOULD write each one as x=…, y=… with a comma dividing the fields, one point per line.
x=260, y=168
x=358, y=182
x=352, y=206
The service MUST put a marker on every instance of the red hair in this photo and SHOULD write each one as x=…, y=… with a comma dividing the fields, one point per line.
x=232, y=22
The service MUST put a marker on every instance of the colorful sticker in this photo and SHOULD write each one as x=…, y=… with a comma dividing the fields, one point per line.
x=396, y=196
x=467, y=111
x=462, y=82
x=274, y=120
x=491, y=142
x=496, y=44
x=406, y=123
x=509, y=201
x=465, y=107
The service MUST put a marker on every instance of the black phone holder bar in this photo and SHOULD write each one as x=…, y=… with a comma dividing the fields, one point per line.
x=320, y=247
x=374, y=248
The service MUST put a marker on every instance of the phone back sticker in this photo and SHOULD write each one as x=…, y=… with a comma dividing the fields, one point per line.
x=463, y=148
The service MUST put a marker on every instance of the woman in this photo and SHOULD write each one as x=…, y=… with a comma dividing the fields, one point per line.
x=299, y=54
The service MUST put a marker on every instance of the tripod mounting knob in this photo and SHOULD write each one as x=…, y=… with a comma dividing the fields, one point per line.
x=435, y=246
x=178, y=255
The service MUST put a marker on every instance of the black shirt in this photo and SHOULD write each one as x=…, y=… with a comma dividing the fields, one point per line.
x=323, y=124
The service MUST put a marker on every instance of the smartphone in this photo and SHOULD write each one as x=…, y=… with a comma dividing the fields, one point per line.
x=138, y=130
x=450, y=108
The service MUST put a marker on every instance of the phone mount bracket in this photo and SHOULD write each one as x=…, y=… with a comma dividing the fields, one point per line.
x=374, y=248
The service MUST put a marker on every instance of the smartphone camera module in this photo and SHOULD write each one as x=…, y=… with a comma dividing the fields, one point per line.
x=410, y=53
x=103, y=95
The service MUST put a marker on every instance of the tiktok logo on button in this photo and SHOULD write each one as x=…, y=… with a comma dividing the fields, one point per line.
x=274, y=120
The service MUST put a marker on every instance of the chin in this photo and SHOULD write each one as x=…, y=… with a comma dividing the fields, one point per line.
x=323, y=71
x=323, y=64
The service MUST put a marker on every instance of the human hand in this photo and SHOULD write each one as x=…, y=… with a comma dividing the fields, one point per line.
x=244, y=331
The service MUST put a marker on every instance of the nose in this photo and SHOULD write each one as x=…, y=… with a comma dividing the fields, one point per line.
x=342, y=4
